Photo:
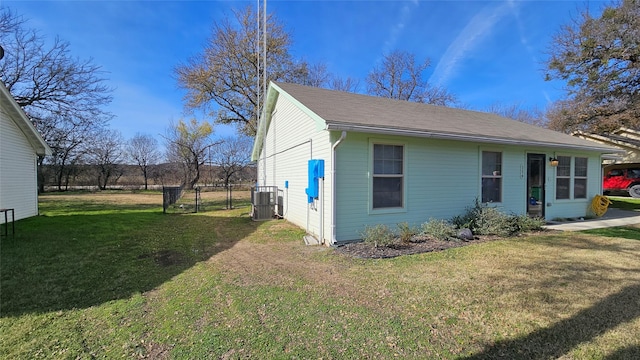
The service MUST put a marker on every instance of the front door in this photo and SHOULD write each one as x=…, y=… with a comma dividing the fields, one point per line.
x=535, y=184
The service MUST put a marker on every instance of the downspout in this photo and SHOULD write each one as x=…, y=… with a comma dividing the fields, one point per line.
x=321, y=209
x=334, y=198
x=310, y=157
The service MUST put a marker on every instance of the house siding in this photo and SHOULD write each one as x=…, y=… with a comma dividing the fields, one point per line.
x=573, y=208
x=442, y=179
x=292, y=140
x=18, y=174
x=436, y=185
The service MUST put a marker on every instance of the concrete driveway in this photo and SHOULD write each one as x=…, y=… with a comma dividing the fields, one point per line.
x=613, y=217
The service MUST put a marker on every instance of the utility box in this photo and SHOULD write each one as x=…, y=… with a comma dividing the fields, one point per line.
x=315, y=172
x=263, y=202
x=280, y=204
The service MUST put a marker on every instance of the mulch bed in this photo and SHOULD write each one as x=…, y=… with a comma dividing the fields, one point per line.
x=419, y=244
x=368, y=251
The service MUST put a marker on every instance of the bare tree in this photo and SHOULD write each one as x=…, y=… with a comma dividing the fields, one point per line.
x=106, y=154
x=64, y=96
x=400, y=77
x=68, y=151
x=188, y=143
x=143, y=150
x=348, y=84
x=599, y=58
x=232, y=156
x=533, y=116
x=317, y=75
x=222, y=79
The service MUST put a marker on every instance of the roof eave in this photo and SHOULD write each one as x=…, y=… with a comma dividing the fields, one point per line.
x=34, y=138
x=605, y=140
x=267, y=111
x=463, y=137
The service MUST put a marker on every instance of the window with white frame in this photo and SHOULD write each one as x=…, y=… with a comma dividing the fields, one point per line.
x=388, y=176
x=491, y=176
x=563, y=178
x=580, y=178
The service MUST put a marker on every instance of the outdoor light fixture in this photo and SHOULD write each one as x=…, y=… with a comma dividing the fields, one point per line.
x=553, y=161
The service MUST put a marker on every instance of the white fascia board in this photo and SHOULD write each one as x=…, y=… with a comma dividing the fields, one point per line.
x=468, y=138
x=627, y=132
x=265, y=120
x=606, y=141
x=23, y=122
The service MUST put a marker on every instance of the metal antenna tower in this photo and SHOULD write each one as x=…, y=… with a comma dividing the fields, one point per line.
x=261, y=85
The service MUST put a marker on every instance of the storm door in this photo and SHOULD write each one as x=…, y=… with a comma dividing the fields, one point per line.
x=535, y=184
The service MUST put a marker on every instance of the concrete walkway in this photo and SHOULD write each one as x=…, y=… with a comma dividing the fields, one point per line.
x=613, y=217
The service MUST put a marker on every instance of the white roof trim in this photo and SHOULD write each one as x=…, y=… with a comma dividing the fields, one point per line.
x=18, y=115
x=605, y=140
x=461, y=137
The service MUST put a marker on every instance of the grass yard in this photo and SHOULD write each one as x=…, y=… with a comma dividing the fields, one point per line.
x=111, y=276
x=624, y=203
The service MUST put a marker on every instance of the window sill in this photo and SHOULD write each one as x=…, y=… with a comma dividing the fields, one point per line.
x=394, y=210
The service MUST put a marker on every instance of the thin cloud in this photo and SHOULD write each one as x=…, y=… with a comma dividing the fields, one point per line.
x=396, y=30
x=469, y=38
x=521, y=31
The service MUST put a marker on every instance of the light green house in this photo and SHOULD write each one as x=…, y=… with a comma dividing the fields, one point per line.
x=388, y=161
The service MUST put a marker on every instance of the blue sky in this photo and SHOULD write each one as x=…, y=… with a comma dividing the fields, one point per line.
x=485, y=52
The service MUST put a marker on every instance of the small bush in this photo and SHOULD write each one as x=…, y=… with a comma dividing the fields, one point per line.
x=406, y=232
x=439, y=229
x=528, y=223
x=494, y=222
x=378, y=235
x=485, y=220
x=469, y=219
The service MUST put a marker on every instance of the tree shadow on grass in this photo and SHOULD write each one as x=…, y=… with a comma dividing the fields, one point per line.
x=561, y=337
x=77, y=261
x=585, y=242
x=630, y=352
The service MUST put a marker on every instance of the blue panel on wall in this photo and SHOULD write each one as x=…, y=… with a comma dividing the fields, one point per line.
x=319, y=172
x=315, y=172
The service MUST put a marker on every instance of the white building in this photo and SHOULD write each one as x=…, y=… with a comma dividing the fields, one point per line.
x=20, y=146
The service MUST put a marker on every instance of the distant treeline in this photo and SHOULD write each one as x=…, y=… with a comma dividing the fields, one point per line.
x=130, y=177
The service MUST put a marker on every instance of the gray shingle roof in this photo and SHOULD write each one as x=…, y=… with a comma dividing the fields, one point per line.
x=362, y=113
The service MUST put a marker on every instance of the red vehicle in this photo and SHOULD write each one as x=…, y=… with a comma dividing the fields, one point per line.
x=622, y=178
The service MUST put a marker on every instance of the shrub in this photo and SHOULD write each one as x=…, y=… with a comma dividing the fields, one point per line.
x=406, y=232
x=494, y=222
x=528, y=223
x=485, y=220
x=439, y=229
x=469, y=219
x=378, y=235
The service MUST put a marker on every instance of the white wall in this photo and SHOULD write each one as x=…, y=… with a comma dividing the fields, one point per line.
x=292, y=140
x=18, y=171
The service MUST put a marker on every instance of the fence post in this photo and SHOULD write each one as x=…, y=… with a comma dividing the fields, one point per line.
x=197, y=198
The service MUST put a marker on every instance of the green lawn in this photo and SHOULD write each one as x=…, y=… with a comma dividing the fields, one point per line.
x=110, y=276
x=624, y=203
